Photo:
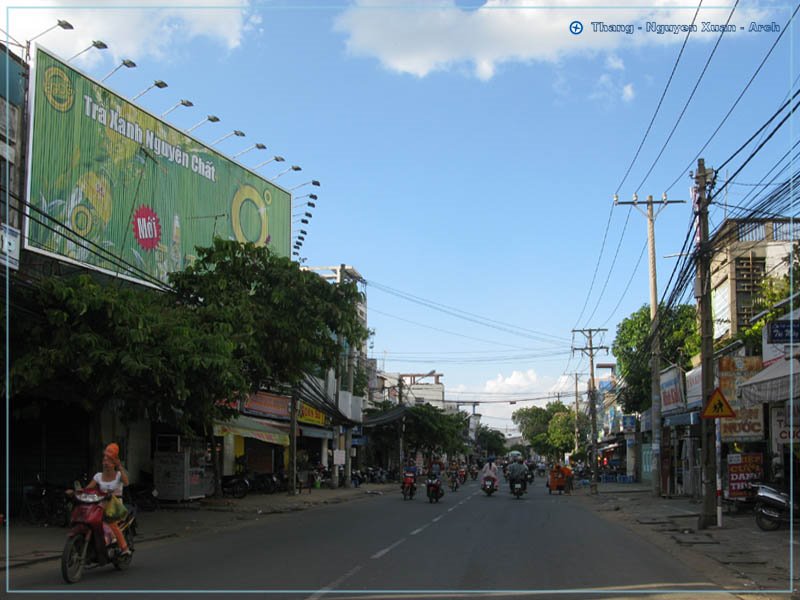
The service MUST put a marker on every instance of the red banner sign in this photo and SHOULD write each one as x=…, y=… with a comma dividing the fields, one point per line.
x=263, y=404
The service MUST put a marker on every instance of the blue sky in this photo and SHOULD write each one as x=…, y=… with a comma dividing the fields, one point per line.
x=468, y=153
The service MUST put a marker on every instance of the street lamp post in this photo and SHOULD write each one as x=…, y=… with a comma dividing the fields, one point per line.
x=266, y=162
x=208, y=119
x=313, y=182
x=292, y=168
x=235, y=132
x=158, y=83
x=99, y=44
x=129, y=64
x=260, y=146
x=186, y=103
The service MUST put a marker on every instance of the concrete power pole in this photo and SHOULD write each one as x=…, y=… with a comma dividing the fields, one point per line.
x=655, y=343
x=703, y=178
x=577, y=412
x=293, y=440
x=592, y=400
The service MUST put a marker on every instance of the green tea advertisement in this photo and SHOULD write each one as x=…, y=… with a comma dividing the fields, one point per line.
x=117, y=189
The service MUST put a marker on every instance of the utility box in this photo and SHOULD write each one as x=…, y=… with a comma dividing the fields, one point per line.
x=179, y=470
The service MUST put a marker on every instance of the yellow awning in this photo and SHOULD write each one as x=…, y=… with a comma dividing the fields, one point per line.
x=253, y=428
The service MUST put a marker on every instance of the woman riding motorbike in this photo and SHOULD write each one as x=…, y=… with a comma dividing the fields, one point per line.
x=111, y=480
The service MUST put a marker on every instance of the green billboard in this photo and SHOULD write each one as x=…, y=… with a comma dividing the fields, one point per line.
x=114, y=188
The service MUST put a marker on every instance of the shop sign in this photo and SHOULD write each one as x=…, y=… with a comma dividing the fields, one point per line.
x=747, y=425
x=338, y=457
x=694, y=388
x=309, y=414
x=783, y=332
x=781, y=433
x=742, y=469
x=262, y=404
x=671, y=390
x=628, y=423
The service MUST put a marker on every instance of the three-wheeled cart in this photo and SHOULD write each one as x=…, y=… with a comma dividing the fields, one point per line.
x=556, y=481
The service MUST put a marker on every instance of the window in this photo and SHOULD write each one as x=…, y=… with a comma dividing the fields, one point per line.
x=751, y=232
x=785, y=232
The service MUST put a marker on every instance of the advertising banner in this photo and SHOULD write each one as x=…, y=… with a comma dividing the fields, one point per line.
x=671, y=390
x=114, y=188
x=748, y=424
x=266, y=405
x=780, y=430
x=309, y=414
x=742, y=469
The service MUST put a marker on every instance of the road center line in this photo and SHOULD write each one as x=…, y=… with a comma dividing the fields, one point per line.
x=452, y=508
x=334, y=584
x=388, y=549
x=418, y=530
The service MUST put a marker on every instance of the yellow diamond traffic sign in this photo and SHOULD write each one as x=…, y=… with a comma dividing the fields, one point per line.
x=717, y=407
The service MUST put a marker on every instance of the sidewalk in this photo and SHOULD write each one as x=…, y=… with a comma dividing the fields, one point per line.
x=738, y=555
x=28, y=544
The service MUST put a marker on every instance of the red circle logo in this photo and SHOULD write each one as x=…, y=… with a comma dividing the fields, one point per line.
x=146, y=227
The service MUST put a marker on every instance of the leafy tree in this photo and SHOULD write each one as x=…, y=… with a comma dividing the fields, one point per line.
x=491, y=441
x=90, y=345
x=561, y=431
x=285, y=322
x=534, y=422
x=430, y=430
x=679, y=342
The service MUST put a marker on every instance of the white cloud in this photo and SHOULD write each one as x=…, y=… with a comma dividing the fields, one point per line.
x=614, y=63
x=136, y=33
x=420, y=41
x=628, y=94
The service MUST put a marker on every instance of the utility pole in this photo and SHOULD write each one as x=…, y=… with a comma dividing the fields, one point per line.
x=577, y=411
x=703, y=180
x=293, y=439
x=592, y=400
x=655, y=342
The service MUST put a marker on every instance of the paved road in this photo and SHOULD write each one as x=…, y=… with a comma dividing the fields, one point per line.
x=467, y=542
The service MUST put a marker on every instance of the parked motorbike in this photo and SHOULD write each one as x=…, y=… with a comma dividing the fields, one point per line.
x=434, y=489
x=235, y=485
x=517, y=488
x=409, y=486
x=47, y=504
x=90, y=542
x=488, y=486
x=773, y=508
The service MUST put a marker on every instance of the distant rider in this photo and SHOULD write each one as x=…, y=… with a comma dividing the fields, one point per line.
x=517, y=471
x=490, y=470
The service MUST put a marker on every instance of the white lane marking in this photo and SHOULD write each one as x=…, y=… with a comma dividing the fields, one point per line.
x=323, y=591
x=419, y=529
x=436, y=519
x=452, y=508
x=388, y=549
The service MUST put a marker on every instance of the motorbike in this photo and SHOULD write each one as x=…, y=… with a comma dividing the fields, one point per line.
x=453, y=482
x=90, y=542
x=530, y=476
x=772, y=508
x=517, y=488
x=409, y=486
x=462, y=476
x=488, y=486
x=434, y=490
x=235, y=485
x=473, y=472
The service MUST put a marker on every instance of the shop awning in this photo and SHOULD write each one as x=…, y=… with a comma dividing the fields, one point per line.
x=772, y=384
x=608, y=447
x=259, y=429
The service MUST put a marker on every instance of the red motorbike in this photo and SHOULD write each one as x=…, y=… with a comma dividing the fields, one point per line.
x=409, y=487
x=90, y=542
x=462, y=475
x=434, y=489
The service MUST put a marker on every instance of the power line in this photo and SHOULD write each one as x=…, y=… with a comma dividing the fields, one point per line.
x=689, y=100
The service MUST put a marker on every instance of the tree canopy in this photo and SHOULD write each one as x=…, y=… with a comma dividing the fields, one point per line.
x=238, y=318
x=679, y=339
